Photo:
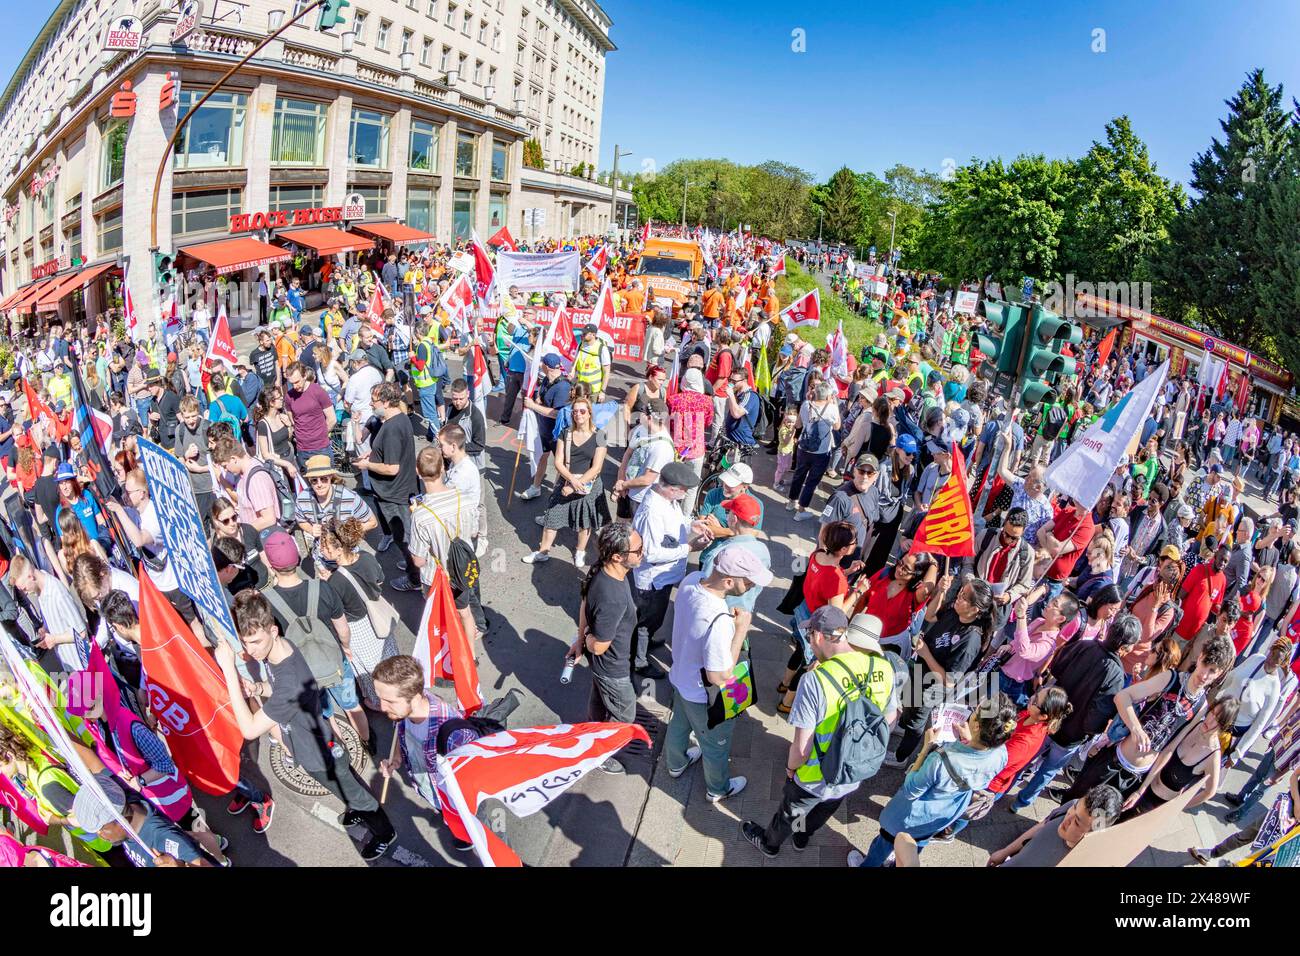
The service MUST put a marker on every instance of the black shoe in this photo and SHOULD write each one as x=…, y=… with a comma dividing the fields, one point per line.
x=376, y=848
x=799, y=841
x=1232, y=800
x=652, y=671
x=349, y=818
x=753, y=833
x=1056, y=794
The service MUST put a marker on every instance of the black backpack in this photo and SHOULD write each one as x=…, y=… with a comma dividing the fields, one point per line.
x=857, y=746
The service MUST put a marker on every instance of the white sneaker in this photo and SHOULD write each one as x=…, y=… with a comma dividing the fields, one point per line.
x=855, y=858
x=692, y=755
x=789, y=506
x=480, y=546
x=804, y=516
x=537, y=557
x=580, y=562
x=532, y=492
x=734, y=786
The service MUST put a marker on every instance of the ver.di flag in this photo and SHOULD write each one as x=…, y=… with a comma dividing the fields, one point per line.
x=442, y=648
x=1086, y=466
x=948, y=528
x=525, y=769
x=805, y=310
x=502, y=239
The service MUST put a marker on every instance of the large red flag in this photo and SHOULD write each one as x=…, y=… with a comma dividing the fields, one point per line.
x=485, y=276
x=38, y=409
x=948, y=528
x=562, y=339
x=442, y=647
x=599, y=262
x=805, y=310
x=221, y=348
x=503, y=239
x=778, y=266
x=602, y=313
x=1103, y=350
x=524, y=769
x=188, y=694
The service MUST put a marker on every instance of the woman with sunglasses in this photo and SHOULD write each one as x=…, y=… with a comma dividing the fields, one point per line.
x=225, y=523
x=895, y=594
x=273, y=427
x=578, y=500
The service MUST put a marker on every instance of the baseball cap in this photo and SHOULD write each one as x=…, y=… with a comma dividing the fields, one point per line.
x=742, y=563
x=895, y=395
x=306, y=329
x=679, y=474
x=906, y=443
x=1171, y=552
x=738, y=474
x=65, y=472
x=93, y=814
x=864, y=633
x=551, y=360
x=1186, y=511
x=281, y=551
x=746, y=508
x=356, y=355
x=828, y=619
x=867, y=461
x=590, y=327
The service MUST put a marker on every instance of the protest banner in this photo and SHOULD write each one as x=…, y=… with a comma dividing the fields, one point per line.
x=966, y=302
x=539, y=272
x=182, y=530
x=627, y=329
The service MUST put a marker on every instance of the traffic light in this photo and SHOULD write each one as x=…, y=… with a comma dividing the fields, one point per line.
x=162, y=268
x=1045, y=363
x=1000, y=343
x=331, y=14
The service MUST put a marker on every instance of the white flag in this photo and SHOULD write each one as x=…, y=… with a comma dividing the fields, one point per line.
x=531, y=436
x=1086, y=466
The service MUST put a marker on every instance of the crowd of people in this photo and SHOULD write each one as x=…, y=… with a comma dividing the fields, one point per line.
x=1128, y=649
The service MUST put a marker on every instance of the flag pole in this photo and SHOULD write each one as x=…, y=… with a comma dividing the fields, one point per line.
x=473, y=827
x=392, y=755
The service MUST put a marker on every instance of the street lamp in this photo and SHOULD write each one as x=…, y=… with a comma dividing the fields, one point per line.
x=613, y=185
x=820, y=213
x=686, y=183
x=348, y=38
x=893, y=221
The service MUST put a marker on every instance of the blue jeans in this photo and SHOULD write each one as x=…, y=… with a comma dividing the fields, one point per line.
x=1054, y=758
x=882, y=846
x=249, y=792
x=715, y=744
x=429, y=410
x=1254, y=789
x=1017, y=690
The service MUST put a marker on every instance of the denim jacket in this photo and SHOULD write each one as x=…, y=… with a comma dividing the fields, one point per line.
x=930, y=798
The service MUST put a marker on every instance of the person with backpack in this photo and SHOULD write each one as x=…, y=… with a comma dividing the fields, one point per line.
x=292, y=701
x=258, y=496
x=944, y=779
x=841, y=718
x=820, y=417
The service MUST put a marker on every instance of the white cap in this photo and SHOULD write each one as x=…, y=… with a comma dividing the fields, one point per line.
x=864, y=633
x=738, y=474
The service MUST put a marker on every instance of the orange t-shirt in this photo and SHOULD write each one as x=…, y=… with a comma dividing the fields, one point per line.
x=634, y=300
x=286, y=351
x=711, y=306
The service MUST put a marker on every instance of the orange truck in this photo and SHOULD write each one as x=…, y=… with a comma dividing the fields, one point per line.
x=671, y=270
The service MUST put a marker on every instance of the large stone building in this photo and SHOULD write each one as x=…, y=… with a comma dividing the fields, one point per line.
x=416, y=110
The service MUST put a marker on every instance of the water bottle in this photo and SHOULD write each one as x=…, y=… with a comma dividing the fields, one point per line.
x=566, y=675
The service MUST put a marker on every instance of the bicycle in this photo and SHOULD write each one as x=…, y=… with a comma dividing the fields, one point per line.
x=720, y=456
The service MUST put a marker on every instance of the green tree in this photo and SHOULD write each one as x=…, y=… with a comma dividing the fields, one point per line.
x=1119, y=212
x=1220, y=258
x=844, y=206
x=533, y=158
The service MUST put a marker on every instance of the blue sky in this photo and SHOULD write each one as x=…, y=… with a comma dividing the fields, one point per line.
x=916, y=83
x=919, y=83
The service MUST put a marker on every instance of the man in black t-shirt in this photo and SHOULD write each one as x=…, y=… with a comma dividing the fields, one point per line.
x=264, y=360
x=164, y=411
x=606, y=621
x=292, y=701
x=391, y=466
x=46, y=488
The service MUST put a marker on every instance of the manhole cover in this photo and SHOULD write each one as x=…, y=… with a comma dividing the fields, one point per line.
x=297, y=779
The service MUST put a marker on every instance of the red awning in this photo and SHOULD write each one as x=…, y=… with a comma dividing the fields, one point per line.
x=22, y=302
x=11, y=297
x=48, y=301
x=234, y=255
x=394, y=232
x=326, y=241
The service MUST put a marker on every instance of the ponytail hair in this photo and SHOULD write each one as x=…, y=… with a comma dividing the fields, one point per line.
x=612, y=541
x=1056, y=707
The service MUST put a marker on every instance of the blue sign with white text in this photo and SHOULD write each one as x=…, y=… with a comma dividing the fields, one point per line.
x=182, y=530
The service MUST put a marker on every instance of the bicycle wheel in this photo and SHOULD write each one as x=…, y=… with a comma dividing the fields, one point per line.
x=706, y=486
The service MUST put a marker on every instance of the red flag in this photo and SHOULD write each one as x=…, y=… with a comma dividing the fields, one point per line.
x=221, y=348
x=504, y=240
x=38, y=409
x=485, y=276
x=188, y=694
x=602, y=313
x=805, y=310
x=376, y=309
x=1103, y=350
x=778, y=266
x=22, y=806
x=524, y=769
x=645, y=233
x=948, y=528
x=562, y=340
x=599, y=262
x=442, y=647
x=1222, y=388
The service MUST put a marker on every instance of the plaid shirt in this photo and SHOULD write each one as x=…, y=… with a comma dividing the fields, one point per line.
x=422, y=774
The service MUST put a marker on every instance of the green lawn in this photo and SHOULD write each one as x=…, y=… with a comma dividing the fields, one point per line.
x=859, y=330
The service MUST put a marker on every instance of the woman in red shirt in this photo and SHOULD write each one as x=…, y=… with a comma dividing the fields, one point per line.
x=895, y=595
x=825, y=582
x=1046, y=710
x=1251, y=602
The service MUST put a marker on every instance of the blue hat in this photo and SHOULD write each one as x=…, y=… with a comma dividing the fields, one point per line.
x=787, y=349
x=65, y=472
x=551, y=360
x=906, y=443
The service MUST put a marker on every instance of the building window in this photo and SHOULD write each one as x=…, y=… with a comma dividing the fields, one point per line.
x=359, y=26
x=426, y=53
x=298, y=133
x=407, y=37
x=519, y=57
x=424, y=146
x=482, y=31
x=497, y=210
x=214, y=136
x=478, y=72
x=444, y=64
x=496, y=39
x=296, y=197
x=450, y=21
x=109, y=227
x=368, y=139
x=206, y=210
x=501, y=162
x=433, y=10
x=466, y=23
x=73, y=241
x=376, y=198
x=381, y=38
x=466, y=154
x=463, y=203
x=113, y=149
x=421, y=209
x=72, y=204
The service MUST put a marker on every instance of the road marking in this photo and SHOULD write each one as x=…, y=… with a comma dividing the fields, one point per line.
x=399, y=853
x=327, y=816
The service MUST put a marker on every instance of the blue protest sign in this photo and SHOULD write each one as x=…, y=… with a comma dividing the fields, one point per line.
x=1028, y=289
x=182, y=530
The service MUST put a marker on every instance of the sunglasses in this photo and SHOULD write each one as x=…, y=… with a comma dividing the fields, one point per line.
x=321, y=481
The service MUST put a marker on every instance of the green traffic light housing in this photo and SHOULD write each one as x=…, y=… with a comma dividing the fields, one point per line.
x=331, y=15
x=1003, y=350
x=162, y=267
x=1045, y=364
